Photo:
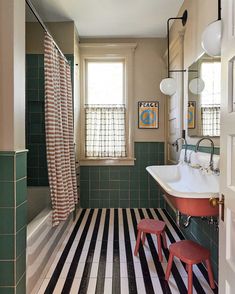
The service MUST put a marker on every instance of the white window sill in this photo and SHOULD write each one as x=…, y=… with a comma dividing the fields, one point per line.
x=106, y=161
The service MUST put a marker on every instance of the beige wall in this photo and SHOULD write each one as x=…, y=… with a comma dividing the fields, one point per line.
x=200, y=14
x=62, y=32
x=12, y=75
x=149, y=69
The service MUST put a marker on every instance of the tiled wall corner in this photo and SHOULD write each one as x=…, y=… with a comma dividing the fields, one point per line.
x=13, y=200
x=123, y=186
x=35, y=119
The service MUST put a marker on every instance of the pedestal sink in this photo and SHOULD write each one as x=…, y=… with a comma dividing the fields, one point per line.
x=187, y=188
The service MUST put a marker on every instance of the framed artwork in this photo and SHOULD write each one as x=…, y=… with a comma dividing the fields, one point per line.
x=191, y=114
x=148, y=114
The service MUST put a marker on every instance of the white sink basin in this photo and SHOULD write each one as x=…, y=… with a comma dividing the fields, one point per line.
x=187, y=188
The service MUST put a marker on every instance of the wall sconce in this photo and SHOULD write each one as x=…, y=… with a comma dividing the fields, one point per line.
x=211, y=37
x=168, y=85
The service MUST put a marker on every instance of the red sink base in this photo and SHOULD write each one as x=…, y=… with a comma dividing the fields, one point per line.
x=194, y=206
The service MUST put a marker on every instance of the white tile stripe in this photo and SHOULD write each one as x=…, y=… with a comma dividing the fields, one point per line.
x=123, y=263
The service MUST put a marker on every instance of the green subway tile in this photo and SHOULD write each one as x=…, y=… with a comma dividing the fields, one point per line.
x=114, y=203
x=143, y=185
x=21, y=165
x=144, y=203
x=104, y=194
x=84, y=175
x=94, y=203
x=94, y=185
x=114, y=175
x=21, y=286
x=124, y=185
x=21, y=191
x=40, y=60
x=43, y=173
x=134, y=185
x=134, y=194
x=124, y=194
x=6, y=168
x=114, y=185
x=134, y=203
x=7, y=194
x=124, y=175
x=94, y=175
x=104, y=184
x=7, y=220
x=104, y=203
x=84, y=201
x=7, y=290
x=21, y=216
x=7, y=247
x=7, y=273
x=84, y=185
x=20, y=266
x=114, y=195
x=31, y=83
x=144, y=194
x=41, y=84
x=32, y=72
x=124, y=203
x=153, y=203
x=94, y=194
x=21, y=241
x=32, y=60
x=32, y=95
x=104, y=175
x=41, y=72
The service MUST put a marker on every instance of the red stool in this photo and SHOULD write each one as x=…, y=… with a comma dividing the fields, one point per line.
x=151, y=226
x=191, y=253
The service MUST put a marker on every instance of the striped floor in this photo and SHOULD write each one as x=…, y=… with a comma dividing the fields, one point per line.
x=97, y=257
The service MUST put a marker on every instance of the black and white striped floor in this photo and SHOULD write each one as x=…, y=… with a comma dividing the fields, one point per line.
x=97, y=257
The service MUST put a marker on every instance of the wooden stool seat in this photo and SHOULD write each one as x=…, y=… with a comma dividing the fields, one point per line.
x=191, y=253
x=151, y=226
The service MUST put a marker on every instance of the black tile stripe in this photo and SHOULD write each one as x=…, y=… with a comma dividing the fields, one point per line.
x=103, y=255
x=178, y=279
x=196, y=283
x=54, y=278
x=181, y=236
x=129, y=256
x=143, y=261
x=116, y=285
x=88, y=264
x=160, y=272
x=77, y=255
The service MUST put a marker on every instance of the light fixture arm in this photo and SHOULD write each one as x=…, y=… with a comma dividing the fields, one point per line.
x=183, y=18
x=219, y=9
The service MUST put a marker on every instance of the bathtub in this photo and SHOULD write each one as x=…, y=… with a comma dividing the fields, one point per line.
x=43, y=240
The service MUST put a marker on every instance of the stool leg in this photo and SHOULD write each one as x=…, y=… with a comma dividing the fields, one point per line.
x=137, y=243
x=159, y=247
x=169, y=265
x=143, y=238
x=190, y=279
x=164, y=239
x=210, y=273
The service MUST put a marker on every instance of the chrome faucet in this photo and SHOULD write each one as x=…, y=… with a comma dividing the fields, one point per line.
x=186, y=147
x=211, y=165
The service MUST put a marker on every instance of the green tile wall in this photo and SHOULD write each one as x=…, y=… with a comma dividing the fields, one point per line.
x=35, y=119
x=199, y=230
x=13, y=203
x=123, y=186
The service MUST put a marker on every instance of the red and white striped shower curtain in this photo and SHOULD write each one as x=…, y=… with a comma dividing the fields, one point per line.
x=59, y=132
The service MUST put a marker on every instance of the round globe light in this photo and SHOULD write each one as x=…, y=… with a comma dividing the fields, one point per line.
x=196, y=86
x=168, y=86
x=211, y=38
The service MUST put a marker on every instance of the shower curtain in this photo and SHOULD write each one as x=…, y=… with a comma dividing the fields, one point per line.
x=59, y=132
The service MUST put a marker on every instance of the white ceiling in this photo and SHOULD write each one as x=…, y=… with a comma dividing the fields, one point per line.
x=111, y=18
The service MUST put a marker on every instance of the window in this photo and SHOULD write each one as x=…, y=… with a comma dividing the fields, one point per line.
x=210, y=98
x=105, y=110
x=106, y=107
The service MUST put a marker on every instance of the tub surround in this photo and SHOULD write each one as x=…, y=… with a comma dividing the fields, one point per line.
x=13, y=215
x=124, y=186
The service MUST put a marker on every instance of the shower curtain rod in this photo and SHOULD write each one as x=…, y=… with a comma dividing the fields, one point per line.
x=34, y=11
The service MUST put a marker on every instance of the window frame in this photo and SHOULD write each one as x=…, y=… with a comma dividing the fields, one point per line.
x=108, y=52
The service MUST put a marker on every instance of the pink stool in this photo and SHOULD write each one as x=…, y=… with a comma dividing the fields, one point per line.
x=191, y=253
x=151, y=226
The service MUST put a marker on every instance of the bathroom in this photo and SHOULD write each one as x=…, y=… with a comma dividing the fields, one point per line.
x=169, y=158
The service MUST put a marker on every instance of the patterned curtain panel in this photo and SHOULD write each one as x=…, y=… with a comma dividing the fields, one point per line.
x=210, y=120
x=105, y=130
x=59, y=133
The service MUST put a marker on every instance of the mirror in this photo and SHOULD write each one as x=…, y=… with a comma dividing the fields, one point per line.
x=204, y=87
